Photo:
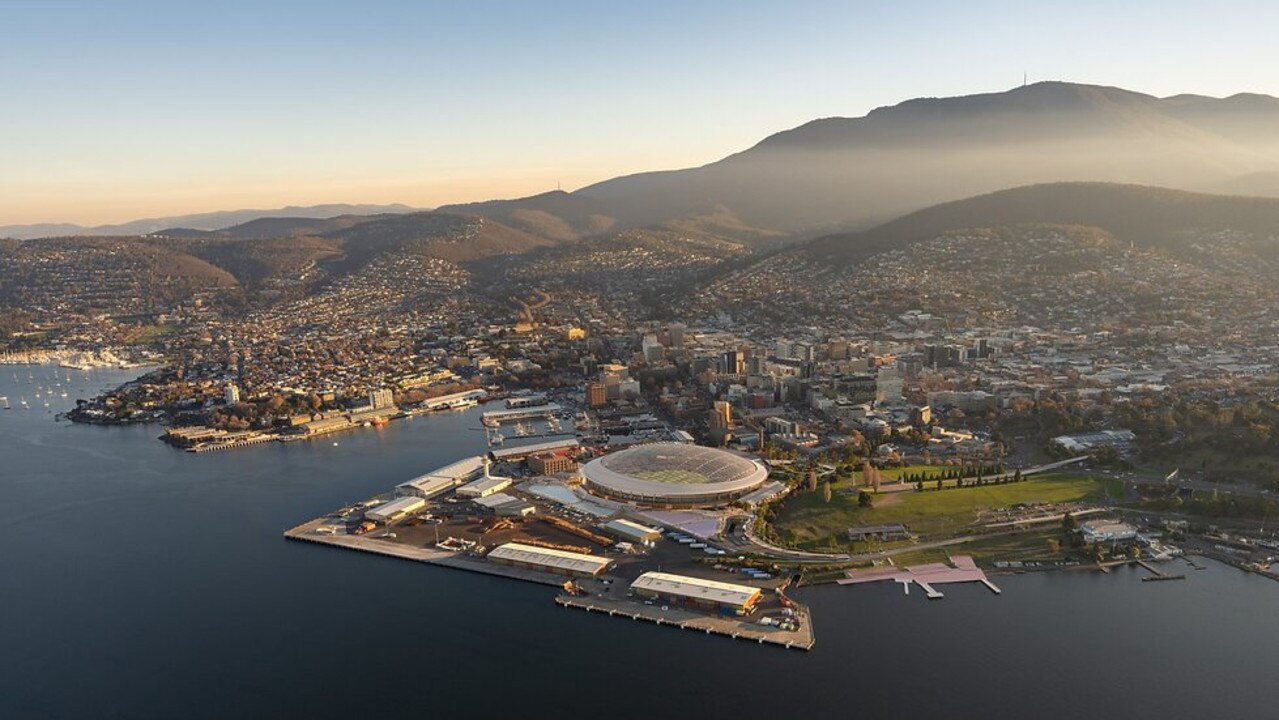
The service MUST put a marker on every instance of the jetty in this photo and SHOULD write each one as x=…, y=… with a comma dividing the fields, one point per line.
x=925, y=576
x=738, y=628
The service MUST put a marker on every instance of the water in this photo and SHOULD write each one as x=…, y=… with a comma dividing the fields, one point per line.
x=141, y=582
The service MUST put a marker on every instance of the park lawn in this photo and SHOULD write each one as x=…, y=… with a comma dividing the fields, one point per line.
x=805, y=521
x=148, y=334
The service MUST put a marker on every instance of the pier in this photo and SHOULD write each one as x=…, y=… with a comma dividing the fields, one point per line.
x=497, y=417
x=737, y=628
x=307, y=532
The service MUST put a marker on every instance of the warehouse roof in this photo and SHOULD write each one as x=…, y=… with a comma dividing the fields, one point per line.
x=696, y=588
x=429, y=484
x=395, y=507
x=526, y=450
x=630, y=529
x=576, y=562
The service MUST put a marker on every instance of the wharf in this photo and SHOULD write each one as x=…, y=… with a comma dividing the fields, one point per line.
x=734, y=627
x=306, y=532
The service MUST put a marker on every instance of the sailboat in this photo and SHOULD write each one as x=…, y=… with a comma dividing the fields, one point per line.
x=5, y=399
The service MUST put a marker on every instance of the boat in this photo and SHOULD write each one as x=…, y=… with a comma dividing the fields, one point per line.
x=4, y=399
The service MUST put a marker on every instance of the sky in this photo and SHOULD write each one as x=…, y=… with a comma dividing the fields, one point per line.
x=117, y=110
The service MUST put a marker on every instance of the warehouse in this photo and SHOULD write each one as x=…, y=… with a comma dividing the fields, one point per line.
x=484, y=487
x=443, y=479
x=557, y=562
x=504, y=504
x=395, y=510
x=515, y=454
x=631, y=531
x=721, y=597
x=425, y=487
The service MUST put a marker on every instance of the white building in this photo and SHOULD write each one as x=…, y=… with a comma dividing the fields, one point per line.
x=1103, y=531
x=231, y=394
x=395, y=510
x=558, y=562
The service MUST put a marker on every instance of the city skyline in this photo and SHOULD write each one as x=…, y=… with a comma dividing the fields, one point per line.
x=297, y=105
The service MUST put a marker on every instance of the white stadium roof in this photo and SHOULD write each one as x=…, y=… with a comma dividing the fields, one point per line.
x=675, y=471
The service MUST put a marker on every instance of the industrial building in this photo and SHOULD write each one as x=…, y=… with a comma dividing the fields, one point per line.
x=1087, y=442
x=425, y=487
x=484, y=487
x=395, y=510
x=631, y=531
x=515, y=454
x=442, y=480
x=504, y=504
x=1101, y=531
x=721, y=597
x=552, y=462
x=557, y=562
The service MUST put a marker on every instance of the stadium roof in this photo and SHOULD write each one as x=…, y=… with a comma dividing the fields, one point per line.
x=675, y=470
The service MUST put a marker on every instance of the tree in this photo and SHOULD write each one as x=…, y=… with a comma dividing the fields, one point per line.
x=865, y=499
x=1017, y=475
x=812, y=480
x=826, y=491
x=1069, y=524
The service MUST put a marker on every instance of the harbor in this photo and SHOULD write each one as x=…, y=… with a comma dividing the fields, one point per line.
x=482, y=517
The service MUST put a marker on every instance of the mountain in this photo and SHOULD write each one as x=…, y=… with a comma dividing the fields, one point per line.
x=198, y=222
x=897, y=159
x=555, y=215
x=1154, y=217
x=853, y=173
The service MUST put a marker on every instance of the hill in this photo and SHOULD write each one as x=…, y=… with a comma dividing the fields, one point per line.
x=197, y=222
x=1157, y=217
x=857, y=172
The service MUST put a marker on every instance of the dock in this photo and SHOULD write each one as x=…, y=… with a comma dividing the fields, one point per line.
x=306, y=532
x=925, y=576
x=733, y=627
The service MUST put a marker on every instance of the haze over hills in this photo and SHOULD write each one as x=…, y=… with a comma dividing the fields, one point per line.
x=1156, y=217
x=847, y=174
x=199, y=221
x=854, y=173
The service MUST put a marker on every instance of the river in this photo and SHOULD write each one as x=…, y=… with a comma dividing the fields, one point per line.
x=137, y=581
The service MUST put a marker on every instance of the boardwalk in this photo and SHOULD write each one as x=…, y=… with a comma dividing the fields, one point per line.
x=925, y=576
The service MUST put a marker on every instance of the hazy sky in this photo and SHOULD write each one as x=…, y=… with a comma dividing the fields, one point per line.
x=113, y=110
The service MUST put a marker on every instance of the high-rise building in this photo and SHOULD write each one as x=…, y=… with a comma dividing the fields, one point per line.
x=382, y=398
x=888, y=387
x=675, y=333
x=721, y=415
x=652, y=349
x=732, y=362
x=231, y=394
x=596, y=395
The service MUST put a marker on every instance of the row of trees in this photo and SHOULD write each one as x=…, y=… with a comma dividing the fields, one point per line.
x=979, y=480
x=956, y=473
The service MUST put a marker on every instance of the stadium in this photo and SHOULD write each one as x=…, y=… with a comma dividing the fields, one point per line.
x=674, y=475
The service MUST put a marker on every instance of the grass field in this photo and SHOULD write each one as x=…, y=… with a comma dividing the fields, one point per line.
x=806, y=521
x=147, y=334
x=681, y=477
